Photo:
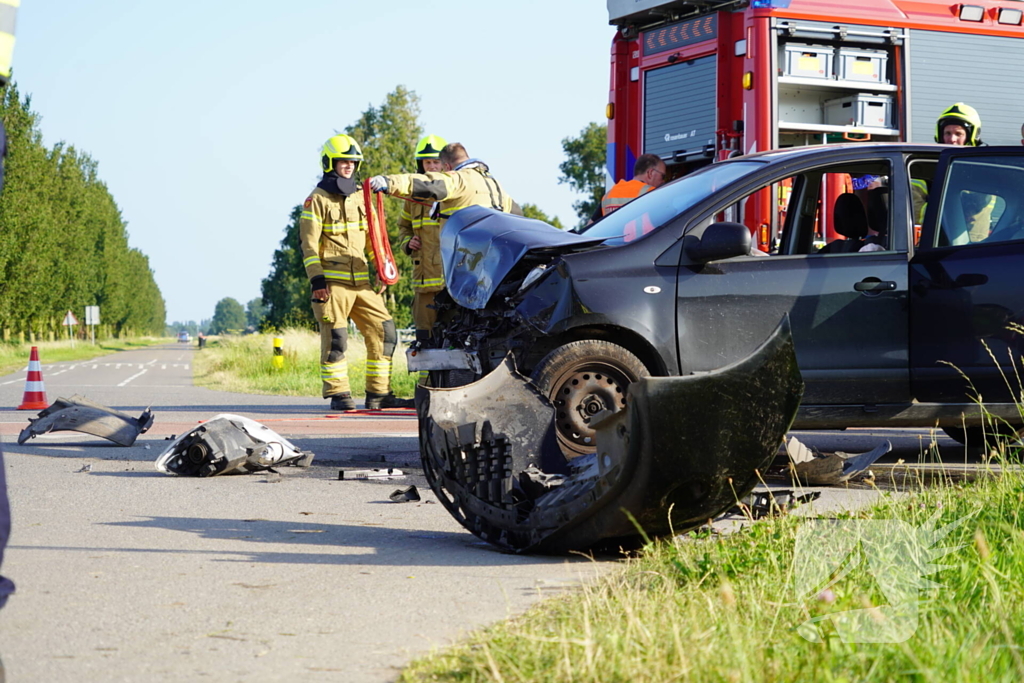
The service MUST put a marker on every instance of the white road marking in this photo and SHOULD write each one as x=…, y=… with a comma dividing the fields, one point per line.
x=137, y=374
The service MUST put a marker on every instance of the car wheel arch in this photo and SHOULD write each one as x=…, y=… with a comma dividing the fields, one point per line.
x=628, y=339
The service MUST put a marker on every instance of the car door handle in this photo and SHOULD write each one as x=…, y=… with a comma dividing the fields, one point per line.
x=874, y=285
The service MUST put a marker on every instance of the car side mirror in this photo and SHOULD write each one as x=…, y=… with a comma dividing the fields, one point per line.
x=720, y=241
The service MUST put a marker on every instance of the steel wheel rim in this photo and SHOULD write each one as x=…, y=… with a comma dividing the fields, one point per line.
x=580, y=393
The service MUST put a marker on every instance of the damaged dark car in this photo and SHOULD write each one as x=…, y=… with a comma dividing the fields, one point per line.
x=907, y=333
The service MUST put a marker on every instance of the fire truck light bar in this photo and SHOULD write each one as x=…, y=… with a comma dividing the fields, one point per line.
x=1010, y=16
x=971, y=13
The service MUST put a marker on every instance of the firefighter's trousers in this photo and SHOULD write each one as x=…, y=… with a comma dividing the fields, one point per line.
x=366, y=309
x=423, y=317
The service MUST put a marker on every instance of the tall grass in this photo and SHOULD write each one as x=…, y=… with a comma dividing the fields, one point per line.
x=707, y=608
x=243, y=364
x=14, y=356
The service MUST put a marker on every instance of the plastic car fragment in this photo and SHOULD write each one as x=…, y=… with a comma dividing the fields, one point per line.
x=682, y=451
x=830, y=469
x=79, y=414
x=229, y=444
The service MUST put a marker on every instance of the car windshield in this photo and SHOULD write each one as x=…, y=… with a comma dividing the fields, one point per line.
x=654, y=209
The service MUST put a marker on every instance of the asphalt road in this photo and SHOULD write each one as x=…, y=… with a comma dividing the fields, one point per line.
x=125, y=574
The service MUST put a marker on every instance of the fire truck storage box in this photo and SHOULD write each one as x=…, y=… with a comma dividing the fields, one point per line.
x=855, y=64
x=806, y=61
x=872, y=111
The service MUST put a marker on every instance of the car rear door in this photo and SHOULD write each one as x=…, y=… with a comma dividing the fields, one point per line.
x=967, y=279
x=848, y=311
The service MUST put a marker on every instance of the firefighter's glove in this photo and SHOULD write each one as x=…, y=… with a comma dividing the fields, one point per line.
x=379, y=183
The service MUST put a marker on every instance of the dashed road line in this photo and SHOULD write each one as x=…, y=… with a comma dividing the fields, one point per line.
x=136, y=375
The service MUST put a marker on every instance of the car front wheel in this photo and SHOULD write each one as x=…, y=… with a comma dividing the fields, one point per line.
x=583, y=379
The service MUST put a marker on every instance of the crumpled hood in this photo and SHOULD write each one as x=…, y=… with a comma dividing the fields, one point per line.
x=479, y=246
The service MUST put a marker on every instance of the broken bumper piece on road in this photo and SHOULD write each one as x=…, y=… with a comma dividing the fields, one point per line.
x=684, y=450
x=229, y=444
x=79, y=414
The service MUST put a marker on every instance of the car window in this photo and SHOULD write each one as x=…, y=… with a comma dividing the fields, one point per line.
x=982, y=200
x=654, y=209
x=836, y=209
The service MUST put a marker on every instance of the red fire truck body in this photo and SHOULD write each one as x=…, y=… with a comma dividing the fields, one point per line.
x=694, y=82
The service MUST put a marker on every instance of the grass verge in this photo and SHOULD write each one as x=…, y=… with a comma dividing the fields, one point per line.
x=726, y=608
x=15, y=356
x=243, y=364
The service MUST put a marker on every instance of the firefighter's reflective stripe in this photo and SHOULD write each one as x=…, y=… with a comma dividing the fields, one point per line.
x=378, y=368
x=341, y=227
x=334, y=227
x=430, y=282
x=358, y=277
x=337, y=370
x=8, y=15
x=622, y=193
x=310, y=261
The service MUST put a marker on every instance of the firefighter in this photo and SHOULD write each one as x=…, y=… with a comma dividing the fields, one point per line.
x=332, y=235
x=419, y=236
x=960, y=125
x=465, y=182
x=648, y=173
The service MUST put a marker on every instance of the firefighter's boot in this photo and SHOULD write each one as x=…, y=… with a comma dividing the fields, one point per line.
x=378, y=401
x=343, y=401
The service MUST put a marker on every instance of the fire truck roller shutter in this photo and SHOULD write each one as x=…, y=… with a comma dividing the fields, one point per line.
x=679, y=109
x=982, y=71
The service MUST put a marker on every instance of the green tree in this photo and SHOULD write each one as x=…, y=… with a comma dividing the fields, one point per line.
x=534, y=211
x=583, y=168
x=286, y=290
x=228, y=317
x=254, y=312
x=389, y=134
x=63, y=242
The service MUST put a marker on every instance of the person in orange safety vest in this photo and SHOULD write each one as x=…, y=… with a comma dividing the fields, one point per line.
x=648, y=173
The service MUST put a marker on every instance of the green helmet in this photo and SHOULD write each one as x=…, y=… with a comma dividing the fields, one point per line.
x=428, y=148
x=340, y=147
x=962, y=115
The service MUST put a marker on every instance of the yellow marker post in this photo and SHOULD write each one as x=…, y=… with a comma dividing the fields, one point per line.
x=277, y=362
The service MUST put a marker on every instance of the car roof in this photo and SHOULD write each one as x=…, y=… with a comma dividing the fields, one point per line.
x=814, y=150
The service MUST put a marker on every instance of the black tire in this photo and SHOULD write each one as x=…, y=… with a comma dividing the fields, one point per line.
x=990, y=436
x=581, y=379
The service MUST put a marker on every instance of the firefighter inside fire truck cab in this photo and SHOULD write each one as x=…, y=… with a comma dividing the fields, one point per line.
x=649, y=173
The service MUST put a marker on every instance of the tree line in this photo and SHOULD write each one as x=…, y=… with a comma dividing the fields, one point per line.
x=63, y=242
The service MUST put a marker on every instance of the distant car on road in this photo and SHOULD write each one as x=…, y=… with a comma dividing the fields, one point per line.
x=899, y=320
x=184, y=337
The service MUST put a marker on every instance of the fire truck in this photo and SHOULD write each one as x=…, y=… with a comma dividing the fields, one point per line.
x=698, y=81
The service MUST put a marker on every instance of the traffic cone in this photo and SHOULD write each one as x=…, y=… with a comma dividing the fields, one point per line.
x=35, y=394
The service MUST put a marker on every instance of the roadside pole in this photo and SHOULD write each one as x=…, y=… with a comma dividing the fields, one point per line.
x=70, y=321
x=92, y=319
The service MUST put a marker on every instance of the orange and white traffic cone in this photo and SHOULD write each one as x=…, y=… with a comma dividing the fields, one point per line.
x=35, y=394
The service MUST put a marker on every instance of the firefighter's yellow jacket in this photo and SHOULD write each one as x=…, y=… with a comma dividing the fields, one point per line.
x=470, y=185
x=332, y=235
x=427, y=273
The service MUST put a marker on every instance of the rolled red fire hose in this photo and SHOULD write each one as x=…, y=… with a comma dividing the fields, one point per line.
x=376, y=225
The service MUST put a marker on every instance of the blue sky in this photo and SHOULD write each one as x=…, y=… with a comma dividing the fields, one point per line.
x=206, y=117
